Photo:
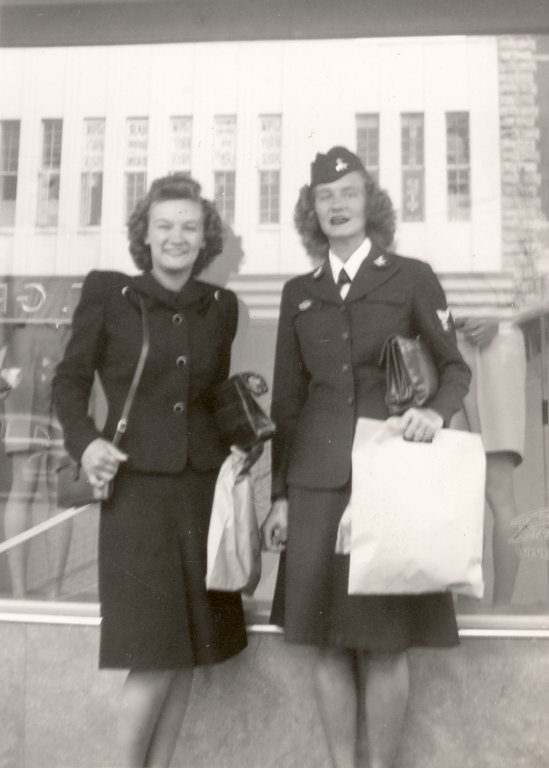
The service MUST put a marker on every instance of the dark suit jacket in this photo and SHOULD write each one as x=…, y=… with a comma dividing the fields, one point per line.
x=171, y=421
x=327, y=371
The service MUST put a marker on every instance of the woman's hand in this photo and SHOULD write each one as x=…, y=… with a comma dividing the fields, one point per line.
x=100, y=461
x=417, y=424
x=274, y=531
x=479, y=331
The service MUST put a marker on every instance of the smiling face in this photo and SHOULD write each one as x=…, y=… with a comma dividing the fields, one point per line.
x=340, y=207
x=175, y=235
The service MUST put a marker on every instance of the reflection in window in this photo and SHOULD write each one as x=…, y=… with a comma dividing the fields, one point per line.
x=367, y=142
x=137, y=146
x=224, y=164
x=413, y=168
x=458, y=166
x=91, y=187
x=9, y=164
x=269, y=164
x=49, y=176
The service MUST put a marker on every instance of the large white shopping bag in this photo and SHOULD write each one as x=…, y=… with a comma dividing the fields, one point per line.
x=415, y=517
x=234, y=543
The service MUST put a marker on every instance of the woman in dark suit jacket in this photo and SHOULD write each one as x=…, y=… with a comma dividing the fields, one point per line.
x=331, y=333
x=158, y=621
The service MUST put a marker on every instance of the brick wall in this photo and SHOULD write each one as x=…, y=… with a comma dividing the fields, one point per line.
x=525, y=233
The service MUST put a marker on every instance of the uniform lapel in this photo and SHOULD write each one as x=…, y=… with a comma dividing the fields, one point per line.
x=378, y=267
x=322, y=285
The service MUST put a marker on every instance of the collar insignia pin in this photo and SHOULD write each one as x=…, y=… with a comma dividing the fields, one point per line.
x=341, y=165
x=305, y=305
x=381, y=261
x=445, y=317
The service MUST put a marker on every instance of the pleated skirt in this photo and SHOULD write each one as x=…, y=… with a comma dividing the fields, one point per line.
x=311, y=600
x=156, y=611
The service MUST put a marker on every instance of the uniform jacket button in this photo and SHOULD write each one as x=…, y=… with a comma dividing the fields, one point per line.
x=350, y=400
x=345, y=335
x=345, y=367
x=177, y=319
x=181, y=360
x=179, y=408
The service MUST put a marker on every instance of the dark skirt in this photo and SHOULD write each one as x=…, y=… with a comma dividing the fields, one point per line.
x=311, y=600
x=156, y=612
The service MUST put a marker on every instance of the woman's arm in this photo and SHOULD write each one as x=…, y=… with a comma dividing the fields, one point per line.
x=433, y=321
x=289, y=392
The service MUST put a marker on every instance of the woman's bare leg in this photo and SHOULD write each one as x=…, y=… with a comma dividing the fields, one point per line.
x=144, y=697
x=500, y=492
x=335, y=680
x=168, y=727
x=386, y=685
x=25, y=469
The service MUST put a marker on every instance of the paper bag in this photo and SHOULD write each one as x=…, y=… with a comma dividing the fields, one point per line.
x=416, y=513
x=234, y=544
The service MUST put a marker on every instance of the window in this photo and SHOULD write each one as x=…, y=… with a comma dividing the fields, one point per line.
x=413, y=169
x=269, y=163
x=458, y=166
x=224, y=164
x=91, y=180
x=49, y=176
x=224, y=194
x=181, y=129
x=367, y=142
x=137, y=146
x=9, y=164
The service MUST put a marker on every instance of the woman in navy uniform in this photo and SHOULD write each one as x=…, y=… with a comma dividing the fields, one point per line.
x=158, y=621
x=331, y=333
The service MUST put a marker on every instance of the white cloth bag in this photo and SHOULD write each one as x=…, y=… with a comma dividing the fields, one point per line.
x=234, y=543
x=414, y=522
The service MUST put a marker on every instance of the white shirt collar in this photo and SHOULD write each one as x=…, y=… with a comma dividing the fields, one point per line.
x=353, y=263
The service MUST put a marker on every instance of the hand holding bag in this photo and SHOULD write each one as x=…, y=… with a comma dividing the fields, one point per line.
x=411, y=375
x=416, y=513
x=234, y=543
x=73, y=487
x=241, y=420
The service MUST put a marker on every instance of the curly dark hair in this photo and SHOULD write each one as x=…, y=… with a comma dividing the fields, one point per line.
x=380, y=218
x=177, y=186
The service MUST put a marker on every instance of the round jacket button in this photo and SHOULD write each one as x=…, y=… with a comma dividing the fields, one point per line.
x=345, y=335
x=350, y=400
x=345, y=367
x=181, y=360
x=179, y=408
x=177, y=319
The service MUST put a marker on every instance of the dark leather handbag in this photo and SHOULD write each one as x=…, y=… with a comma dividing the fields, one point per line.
x=240, y=418
x=73, y=487
x=411, y=375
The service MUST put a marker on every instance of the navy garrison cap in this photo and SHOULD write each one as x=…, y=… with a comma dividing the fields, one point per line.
x=333, y=165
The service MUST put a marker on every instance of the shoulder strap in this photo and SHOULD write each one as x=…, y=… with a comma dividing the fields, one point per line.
x=123, y=422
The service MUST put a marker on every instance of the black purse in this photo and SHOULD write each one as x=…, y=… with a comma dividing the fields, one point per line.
x=410, y=373
x=73, y=487
x=240, y=418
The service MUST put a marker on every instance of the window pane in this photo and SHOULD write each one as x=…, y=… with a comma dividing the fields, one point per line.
x=9, y=163
x=224, y=186
x=458, y=166
x=413, y=171
x=367, y=142
x=269, y=197
x=91, y=184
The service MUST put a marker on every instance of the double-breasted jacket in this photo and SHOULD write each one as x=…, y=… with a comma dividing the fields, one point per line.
x=171, y=421
x=327, y=366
